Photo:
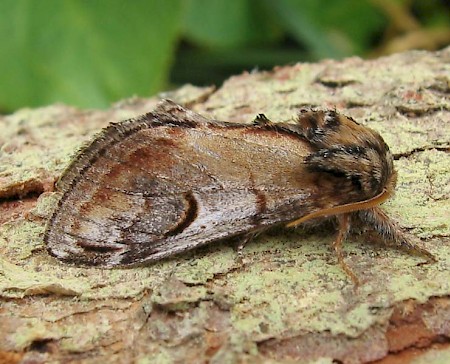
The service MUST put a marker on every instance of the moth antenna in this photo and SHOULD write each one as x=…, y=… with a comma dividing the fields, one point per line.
x=343, y=209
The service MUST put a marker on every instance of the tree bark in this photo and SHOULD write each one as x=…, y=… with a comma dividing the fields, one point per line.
x=287, y=299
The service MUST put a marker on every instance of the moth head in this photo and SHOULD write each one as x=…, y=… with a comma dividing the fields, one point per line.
x=354, y=159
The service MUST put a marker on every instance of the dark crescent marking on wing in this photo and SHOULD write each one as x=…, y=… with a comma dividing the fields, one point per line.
x=191, y=215
x=98, y=249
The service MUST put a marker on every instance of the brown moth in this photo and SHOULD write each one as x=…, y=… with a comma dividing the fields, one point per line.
x=172, y=180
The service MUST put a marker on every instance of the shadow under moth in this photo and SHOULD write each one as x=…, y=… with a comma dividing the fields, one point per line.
x=171, y=180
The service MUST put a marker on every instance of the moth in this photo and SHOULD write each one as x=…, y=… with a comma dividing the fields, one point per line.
x=171, y=180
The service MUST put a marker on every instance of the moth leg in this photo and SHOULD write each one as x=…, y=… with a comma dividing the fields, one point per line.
x=242, y=242
x=239, y=243
x=344, y=227
x=391, y=232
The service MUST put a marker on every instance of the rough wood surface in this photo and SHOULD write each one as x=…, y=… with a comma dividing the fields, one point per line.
x=287, y=300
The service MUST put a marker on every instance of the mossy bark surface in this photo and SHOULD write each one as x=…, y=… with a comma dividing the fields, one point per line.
x=286, y=300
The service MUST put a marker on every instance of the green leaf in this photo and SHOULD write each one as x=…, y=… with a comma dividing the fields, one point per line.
x=329, y=28
x=229, y=23
x=86, y=53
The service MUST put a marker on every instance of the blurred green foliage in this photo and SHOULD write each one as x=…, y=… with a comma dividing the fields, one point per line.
x=90, y=53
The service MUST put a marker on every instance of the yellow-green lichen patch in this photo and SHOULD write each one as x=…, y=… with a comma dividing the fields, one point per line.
x=32, y=151
x=29, y=331
x=18, y=282
x=422, y=199
x=434, y=355
x=199, y=266
x=46, y=204
x=405, y=135
x=162, y=357
x=93, y=333
x=275, y=295
x=173, y=295
x=19, y=239
x=284, y=287
x=98, y=326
